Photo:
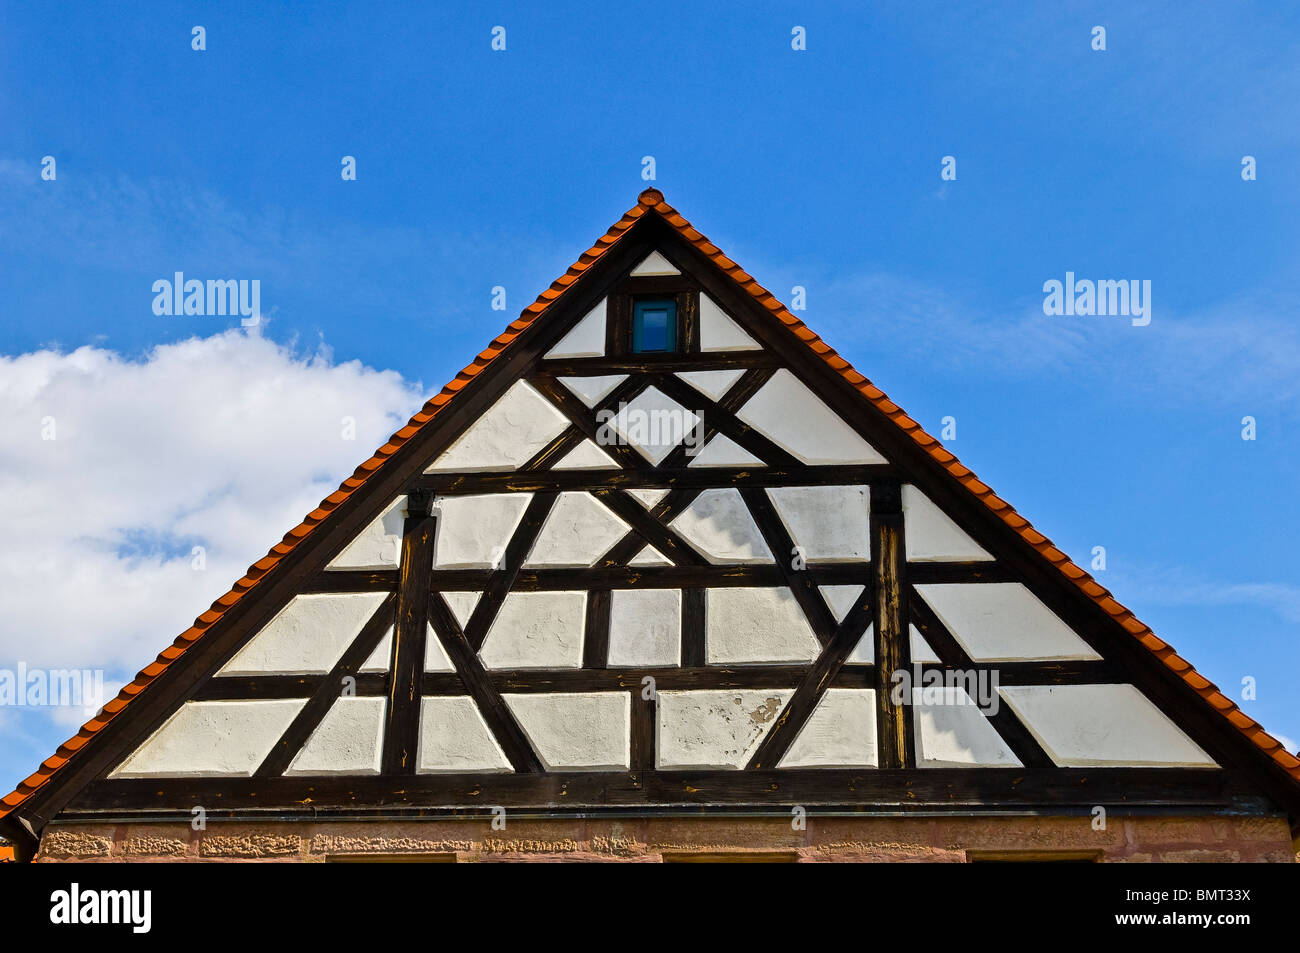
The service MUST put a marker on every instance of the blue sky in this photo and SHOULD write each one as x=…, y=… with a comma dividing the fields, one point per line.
x=818, y=168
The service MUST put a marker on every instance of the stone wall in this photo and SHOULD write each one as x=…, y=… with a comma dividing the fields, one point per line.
x=652, y=840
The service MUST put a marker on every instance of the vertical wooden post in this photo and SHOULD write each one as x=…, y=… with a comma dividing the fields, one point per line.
x=402, y=731
x=890, y=606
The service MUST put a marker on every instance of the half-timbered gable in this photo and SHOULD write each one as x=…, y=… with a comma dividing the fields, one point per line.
x=659, y=550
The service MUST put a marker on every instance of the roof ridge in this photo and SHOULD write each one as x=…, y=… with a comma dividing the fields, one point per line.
x=652, y=199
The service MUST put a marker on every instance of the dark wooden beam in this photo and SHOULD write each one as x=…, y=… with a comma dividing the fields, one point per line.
x=650, y=529
x=502, y=580
x=402, y=725
x=486, y=696
x=666, y=363
x=825, y=672
x=946, y=791
x=468, y=484
x=894, y=728
x=327, y=690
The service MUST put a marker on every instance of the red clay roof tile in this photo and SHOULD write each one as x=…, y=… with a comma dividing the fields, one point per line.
x=653, y=200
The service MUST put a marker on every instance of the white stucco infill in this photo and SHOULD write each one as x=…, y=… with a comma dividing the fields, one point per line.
x=587, y=337
x=827, y=523
x=954, y=733
x=792, y=416
x=651, y=422
x=348, y=740
x=718, y=524
x=722, y=451
x=718, y=332
x=578, y=531
x=654, y=264
x=864, y=653
x=840, y=733
x=700, y=730
x=649, y=556
x=1083, y=726
x=586, y=456
x=455, y=738
x=647, y=497
x=714, y=384
x=507, y=435
x=645, y=628
x=308, y=636
x=756, y=626
x=379, y=660
x=930, y=535
x=840, y=599
x=535, y=630
x=379, y=545
x=591, y=390
x=217, y=739
x=472, y=532
x=576, y=731
x=1003, y=622
x=435, y=656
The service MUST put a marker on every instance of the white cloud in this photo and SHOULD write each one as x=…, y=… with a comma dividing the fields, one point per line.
x=223, y=442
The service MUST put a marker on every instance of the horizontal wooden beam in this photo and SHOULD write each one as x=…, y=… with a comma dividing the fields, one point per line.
x=666, y=363
x=950, y=790
x=641, y=577
x=519, y=481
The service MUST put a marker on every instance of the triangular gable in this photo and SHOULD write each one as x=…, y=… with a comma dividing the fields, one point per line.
x=523, y=421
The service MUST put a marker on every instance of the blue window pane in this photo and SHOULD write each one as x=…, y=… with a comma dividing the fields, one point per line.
x=654, y=326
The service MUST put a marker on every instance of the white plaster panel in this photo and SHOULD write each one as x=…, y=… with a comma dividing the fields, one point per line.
x=1102, y=725
x=592, y=390
x=473, y=531
x=217, y=739
x=756, y=625
x=649, y=556
x=348, y=740
x=645, y=627
x=829, y=523
x=507, y=435
x=718, y=332
x=930, y=535
x=840, y=599
x=864, y=653
x=381, y=657
x=308, y=636
x=840, y=733
x=954, y=733
x=379, y=545
x=576, y=731
x=652, y=423
x=587, y=339
x=921, y=651
x=722, y=451
x=718, y=524
x=461, y=603
x=654, y=264
x=454, y=738
x=537, y=630
x=713, y=383
x=647, y=498
x=792, y=416
x=435, y=656
x=714, y=729
x=586, y=456
x=578, y=531
x=1002, y=622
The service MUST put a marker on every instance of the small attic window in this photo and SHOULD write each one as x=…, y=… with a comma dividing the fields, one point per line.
x=654, y=326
